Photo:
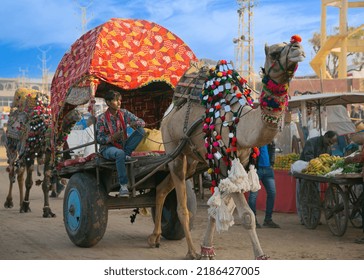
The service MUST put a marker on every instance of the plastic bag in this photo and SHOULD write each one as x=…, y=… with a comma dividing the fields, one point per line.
x=298, y=165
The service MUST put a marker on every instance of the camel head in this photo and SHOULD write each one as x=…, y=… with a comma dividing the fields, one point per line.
x=280, y=65
x=282, y=60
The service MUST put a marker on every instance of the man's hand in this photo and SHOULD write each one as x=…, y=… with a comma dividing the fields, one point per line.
x=117, y=136
x=133, y=125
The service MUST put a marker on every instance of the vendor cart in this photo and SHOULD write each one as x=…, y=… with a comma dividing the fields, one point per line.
x=144, y=62
x=338, y=198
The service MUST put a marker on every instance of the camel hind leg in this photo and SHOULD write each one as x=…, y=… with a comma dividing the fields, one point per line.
x=163, y=189
x=178, y=169
x=47, y=212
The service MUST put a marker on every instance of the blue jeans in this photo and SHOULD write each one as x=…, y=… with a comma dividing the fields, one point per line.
x=266, y=176
x=119, y=155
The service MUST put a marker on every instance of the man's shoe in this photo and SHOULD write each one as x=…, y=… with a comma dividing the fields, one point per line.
x=127, y=158
x=257, y=225
x=270, y=224
x=124, y=192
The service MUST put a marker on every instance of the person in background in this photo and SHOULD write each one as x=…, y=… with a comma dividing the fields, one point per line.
x=266, y=176
x=361, y=113
x=313, y=148
x=111, y=135
x=354, y=115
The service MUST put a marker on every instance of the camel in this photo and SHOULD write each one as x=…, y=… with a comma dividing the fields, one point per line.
x=226, y=145
x=26, y=142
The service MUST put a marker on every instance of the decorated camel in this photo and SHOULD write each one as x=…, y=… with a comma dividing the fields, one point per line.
x=223, y=134
x=26, y=142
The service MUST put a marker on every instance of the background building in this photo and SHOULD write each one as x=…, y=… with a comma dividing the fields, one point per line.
x=8, y=86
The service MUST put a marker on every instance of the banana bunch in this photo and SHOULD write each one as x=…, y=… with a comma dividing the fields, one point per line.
x=284, y=162
x=321, y=165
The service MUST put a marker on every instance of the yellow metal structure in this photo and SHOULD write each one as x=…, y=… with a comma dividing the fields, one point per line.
x=340, y=43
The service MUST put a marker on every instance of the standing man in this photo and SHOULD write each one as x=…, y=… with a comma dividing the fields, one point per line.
x=266, y=176
x=111, y=129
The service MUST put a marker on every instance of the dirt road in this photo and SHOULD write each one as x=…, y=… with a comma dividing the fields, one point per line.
x=30, y=237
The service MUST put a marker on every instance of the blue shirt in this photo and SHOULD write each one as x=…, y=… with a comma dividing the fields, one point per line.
x=264, y=157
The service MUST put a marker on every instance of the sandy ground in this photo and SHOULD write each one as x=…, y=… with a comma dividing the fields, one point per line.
x=30, y=237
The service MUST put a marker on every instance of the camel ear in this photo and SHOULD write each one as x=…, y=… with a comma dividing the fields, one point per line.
x=266, y=49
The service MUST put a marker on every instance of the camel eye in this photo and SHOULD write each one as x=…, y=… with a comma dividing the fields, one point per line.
x=276, y=54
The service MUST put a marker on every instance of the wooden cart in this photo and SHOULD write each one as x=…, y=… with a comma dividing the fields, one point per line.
x=341, y=201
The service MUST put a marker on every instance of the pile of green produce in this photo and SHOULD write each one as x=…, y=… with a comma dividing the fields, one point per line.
x=347, y=167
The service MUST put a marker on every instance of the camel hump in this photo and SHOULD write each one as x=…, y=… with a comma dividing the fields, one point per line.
x=191, y=83
x=25, y=99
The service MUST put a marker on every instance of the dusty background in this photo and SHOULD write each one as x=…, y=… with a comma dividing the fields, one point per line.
x=30, y=237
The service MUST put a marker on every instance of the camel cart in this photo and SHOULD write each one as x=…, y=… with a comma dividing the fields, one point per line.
x=144, y=62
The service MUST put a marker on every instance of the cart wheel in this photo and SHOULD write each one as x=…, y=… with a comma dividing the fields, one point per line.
x=310, y=204
x=171, y=226
x=85, y=213
x=355, y=205
x=336, y=209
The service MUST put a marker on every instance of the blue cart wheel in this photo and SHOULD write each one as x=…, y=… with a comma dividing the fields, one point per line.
x=74, y=210
x=85, y=213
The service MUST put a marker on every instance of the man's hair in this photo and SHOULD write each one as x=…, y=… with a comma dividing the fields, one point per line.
x=111, y=94
x=330, y=134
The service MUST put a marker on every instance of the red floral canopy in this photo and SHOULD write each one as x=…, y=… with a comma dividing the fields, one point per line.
x=125, y=53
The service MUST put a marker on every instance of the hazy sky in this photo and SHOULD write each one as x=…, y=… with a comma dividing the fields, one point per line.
x=32, y=28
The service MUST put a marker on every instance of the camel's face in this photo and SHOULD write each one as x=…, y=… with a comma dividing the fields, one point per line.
x=282, y=60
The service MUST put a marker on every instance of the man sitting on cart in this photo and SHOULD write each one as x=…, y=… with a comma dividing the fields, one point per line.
x=111, y=131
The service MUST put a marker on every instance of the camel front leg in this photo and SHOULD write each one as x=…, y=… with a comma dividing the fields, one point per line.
x=163, y=189
x=248, y=219
x=178, y=169
x=9, y=198
x=28, y=185
x=207, y=248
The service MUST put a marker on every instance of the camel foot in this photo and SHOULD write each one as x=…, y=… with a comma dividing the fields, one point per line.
x=262, y=257
x=47, y=213
x=208, y=258
x=25, y=207
x=193, y=256
x=9, y=203
x=154, y=241
x=207, y=253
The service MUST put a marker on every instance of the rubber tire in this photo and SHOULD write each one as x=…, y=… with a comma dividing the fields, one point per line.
x=171, y=226
x=336, y=209
x=85, y=213
x=310, y=204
